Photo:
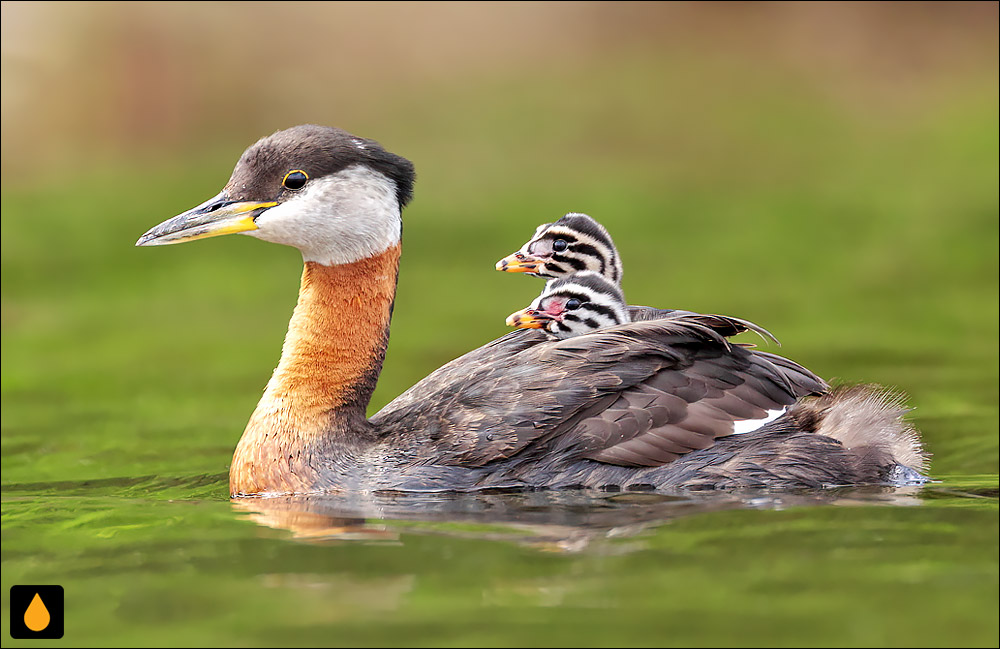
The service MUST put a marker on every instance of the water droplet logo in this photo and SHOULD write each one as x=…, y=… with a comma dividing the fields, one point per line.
x=37, y=616
x=36, y=612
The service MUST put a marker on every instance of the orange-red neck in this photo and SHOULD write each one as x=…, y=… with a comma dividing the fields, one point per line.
x=314, y=404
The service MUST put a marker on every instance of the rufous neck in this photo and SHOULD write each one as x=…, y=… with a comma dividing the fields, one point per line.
x=314, y=404
x=337, y=336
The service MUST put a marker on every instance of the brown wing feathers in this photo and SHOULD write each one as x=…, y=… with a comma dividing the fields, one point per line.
x=685, y=407
x=640, y=394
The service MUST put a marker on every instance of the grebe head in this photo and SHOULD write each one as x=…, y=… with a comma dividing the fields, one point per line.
x=334, y=196
x=574, y=305
x=574, y=243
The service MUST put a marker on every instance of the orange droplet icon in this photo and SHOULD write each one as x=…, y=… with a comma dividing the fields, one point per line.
x=36, y=617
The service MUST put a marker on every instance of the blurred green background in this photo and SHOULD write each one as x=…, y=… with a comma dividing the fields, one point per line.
x=827, y=170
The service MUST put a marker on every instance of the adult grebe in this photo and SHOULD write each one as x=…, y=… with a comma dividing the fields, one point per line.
x=653, y=403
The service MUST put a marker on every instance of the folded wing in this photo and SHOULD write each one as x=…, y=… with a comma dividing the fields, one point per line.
x=638, y=394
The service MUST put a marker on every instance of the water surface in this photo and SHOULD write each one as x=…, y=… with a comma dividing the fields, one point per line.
x=155, y=561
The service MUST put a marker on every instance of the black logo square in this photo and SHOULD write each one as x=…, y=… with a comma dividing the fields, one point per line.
x=36, y=612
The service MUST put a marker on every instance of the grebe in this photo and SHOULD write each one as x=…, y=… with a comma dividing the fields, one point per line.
x=648, y=404
x=574, y=305
x=574, y=243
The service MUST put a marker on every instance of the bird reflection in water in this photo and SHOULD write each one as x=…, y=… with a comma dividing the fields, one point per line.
x=560, y=521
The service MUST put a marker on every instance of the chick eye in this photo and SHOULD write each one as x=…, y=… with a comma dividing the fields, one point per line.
x=573, y=303
x=559, y=245
x=294, y=179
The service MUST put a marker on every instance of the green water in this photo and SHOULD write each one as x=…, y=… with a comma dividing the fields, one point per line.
x=149, y=561
x=866, y=242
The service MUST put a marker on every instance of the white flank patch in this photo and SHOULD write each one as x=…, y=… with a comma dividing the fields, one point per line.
x=337, y=219
x=750, y=425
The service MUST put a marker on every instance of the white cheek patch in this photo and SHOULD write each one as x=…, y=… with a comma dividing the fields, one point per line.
x=336, y=219
x=750, y=425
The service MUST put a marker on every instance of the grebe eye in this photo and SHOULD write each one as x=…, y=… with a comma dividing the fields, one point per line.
x=573, y=303
x=559, y=245
x=294, y=179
